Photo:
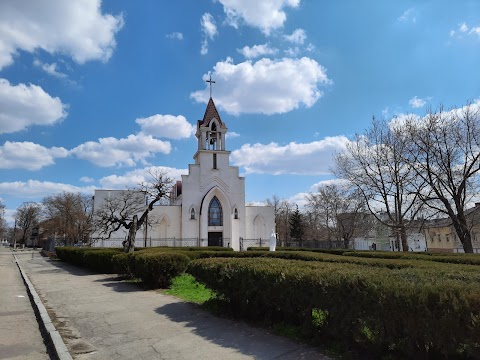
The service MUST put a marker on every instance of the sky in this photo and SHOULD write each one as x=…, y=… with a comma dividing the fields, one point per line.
x=95, y=93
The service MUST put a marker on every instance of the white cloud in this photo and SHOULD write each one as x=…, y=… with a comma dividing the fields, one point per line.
x=464, y=29
x=267, y=15
x=408, y=15
x=50, y=69
x=209, y=30
x=117, y=152
x=23, y=105
x=231, y=134
x=448, y=115
x=293, y=52
x=135, y=177
x=257, y=51
x=266, y=86
x=39, y=189
x=297, y=37
x=301, y=198
x=313, y=158
x=416, y=102
x=29, y=156
x=76, y=28
x=168, y=126
x=87, y=179
x=175, y=36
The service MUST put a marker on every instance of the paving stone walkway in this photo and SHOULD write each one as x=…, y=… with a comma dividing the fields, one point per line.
x=20, y=336
x=101, y=317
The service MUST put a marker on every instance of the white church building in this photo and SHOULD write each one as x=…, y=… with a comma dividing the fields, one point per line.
x=207, y=207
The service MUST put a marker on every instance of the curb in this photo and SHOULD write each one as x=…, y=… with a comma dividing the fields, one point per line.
x=53, y=336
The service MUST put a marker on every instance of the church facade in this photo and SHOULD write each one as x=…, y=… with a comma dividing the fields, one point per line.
x=207, y=207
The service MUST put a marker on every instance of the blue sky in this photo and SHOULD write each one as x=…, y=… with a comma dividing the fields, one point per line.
x=93, y=94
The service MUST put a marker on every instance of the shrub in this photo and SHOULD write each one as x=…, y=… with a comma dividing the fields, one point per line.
x=157, y=269
x=124, y=264
x=410, y=311
x=98, y=259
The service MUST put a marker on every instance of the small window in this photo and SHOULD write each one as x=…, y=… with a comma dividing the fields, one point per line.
x=192, y=214
x=214, y=161
x=235, y=212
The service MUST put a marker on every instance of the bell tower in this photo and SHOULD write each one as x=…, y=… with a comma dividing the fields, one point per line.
x=211, y=131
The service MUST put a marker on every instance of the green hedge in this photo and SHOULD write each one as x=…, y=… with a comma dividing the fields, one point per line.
x=180, y=248
x=407, y=311
x=451, y=258
x=98, y=259
x=154, y=268
x=157, y=270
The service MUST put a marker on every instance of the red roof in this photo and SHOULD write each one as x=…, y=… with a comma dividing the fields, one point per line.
x=210, y=113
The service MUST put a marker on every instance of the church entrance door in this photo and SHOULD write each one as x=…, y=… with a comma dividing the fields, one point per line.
x=215, y=239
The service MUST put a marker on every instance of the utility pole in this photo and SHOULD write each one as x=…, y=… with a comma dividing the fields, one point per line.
x=15, y=236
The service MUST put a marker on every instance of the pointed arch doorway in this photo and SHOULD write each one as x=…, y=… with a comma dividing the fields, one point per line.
x=215, y=223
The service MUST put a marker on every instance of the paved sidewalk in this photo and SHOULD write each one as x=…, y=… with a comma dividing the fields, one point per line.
x=20, y=336
x=100, y=317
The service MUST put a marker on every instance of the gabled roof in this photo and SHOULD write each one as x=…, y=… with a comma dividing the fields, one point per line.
x=210, y=113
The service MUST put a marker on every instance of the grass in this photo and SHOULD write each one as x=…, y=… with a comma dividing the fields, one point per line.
x=187, y=288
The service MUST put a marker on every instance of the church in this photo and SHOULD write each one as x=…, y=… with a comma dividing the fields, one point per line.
x=207, y=207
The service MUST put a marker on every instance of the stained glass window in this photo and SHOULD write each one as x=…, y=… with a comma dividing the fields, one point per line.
x=215, y=213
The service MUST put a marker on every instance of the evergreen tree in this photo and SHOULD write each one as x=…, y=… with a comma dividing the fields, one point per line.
x=296, y=225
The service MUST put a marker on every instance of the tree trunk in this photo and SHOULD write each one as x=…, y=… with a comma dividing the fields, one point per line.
x=464, y=235
x=129, y=245
x=403, y=237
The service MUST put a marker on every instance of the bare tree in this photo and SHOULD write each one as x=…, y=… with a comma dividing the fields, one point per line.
x=129, y=209
x=283, y=209
x=445, y=154
x=71, y=215
x=375, y=164
x=340, y=210
x=3, y=223
x=27, y=216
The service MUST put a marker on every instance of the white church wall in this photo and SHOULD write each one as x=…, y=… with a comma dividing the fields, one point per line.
x=260, y=220
x=166, y=222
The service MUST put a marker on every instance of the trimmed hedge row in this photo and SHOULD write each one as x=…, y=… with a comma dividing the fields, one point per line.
x=156, y=269
x=180, y=248
x=417, y=316
x=451, y=258
x=97, y=259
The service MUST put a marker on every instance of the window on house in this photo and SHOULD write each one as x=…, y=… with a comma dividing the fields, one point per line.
x=215, y=213
x=192, y=214
x=214, y=161
x=235, y=213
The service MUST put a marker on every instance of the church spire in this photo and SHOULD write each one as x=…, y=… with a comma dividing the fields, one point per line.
x=210, y=114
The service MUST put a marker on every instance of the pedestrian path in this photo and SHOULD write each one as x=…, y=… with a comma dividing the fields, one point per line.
x=20, y=336
x=100, y=317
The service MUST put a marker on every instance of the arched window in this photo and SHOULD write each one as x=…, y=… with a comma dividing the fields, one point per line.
x=235, y=213
x=192, y=214
x=215, y=213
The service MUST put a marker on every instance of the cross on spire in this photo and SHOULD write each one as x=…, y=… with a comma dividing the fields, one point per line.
x=210, y=81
